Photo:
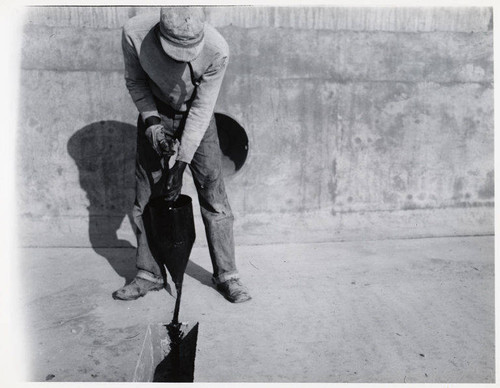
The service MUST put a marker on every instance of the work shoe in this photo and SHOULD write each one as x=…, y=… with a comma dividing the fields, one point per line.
x=234, y=291
x=136, y=288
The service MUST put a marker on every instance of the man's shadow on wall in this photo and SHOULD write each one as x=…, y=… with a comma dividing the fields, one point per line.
x=104, y=153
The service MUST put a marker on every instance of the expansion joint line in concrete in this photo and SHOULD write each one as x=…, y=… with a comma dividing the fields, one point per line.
x=488, y=83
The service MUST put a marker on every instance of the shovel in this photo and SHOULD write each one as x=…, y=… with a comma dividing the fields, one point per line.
x=173, y=234
x=169, y=350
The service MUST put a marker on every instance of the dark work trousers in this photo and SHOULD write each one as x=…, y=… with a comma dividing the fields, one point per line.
x=206, y=168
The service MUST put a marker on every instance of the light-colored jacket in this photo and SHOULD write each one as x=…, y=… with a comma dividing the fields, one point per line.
x=150, y=73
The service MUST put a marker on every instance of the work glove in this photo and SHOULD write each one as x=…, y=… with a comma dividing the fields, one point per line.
x=173, y=185
x=160, y=140
x=167, y=144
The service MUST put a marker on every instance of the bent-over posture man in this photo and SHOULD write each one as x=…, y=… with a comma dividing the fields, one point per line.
x=174, y=66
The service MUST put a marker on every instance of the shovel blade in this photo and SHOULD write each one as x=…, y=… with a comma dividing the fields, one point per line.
x=172, y=233
x=166, y=359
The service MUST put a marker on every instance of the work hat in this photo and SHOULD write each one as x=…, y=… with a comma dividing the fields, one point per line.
x=182, y=32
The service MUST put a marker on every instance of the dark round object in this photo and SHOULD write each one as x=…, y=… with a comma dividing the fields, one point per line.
x=233, y=143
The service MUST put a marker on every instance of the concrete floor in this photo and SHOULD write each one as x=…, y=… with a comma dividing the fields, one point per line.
x=378, y=311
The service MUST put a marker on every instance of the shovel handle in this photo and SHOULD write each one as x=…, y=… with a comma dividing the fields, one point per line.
x=178, y=288
x=166, y=159
x=164, y=176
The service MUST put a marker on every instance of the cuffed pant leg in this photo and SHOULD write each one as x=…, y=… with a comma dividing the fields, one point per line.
x=147, y=172
x=206, y=168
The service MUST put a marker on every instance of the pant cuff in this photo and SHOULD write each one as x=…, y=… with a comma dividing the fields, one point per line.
x=225, y=277
x=146, y=275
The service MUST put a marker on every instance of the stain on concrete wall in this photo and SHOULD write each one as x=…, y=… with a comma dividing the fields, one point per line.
x=347, y=111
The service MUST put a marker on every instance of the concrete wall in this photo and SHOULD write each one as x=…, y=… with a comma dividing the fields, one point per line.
x=362, y=123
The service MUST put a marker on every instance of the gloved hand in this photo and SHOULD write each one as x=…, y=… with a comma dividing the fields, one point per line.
x=160, y=140
x=167, y=144
x=173, y=184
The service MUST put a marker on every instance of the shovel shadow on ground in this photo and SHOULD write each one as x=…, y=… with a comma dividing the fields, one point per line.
x=199, y=273
x=104, y=153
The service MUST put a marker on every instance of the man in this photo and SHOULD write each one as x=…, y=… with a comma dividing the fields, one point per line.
x=174, y=69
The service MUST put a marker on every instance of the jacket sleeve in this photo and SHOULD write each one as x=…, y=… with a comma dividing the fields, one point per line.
x=202, y=108
x=137, y=80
